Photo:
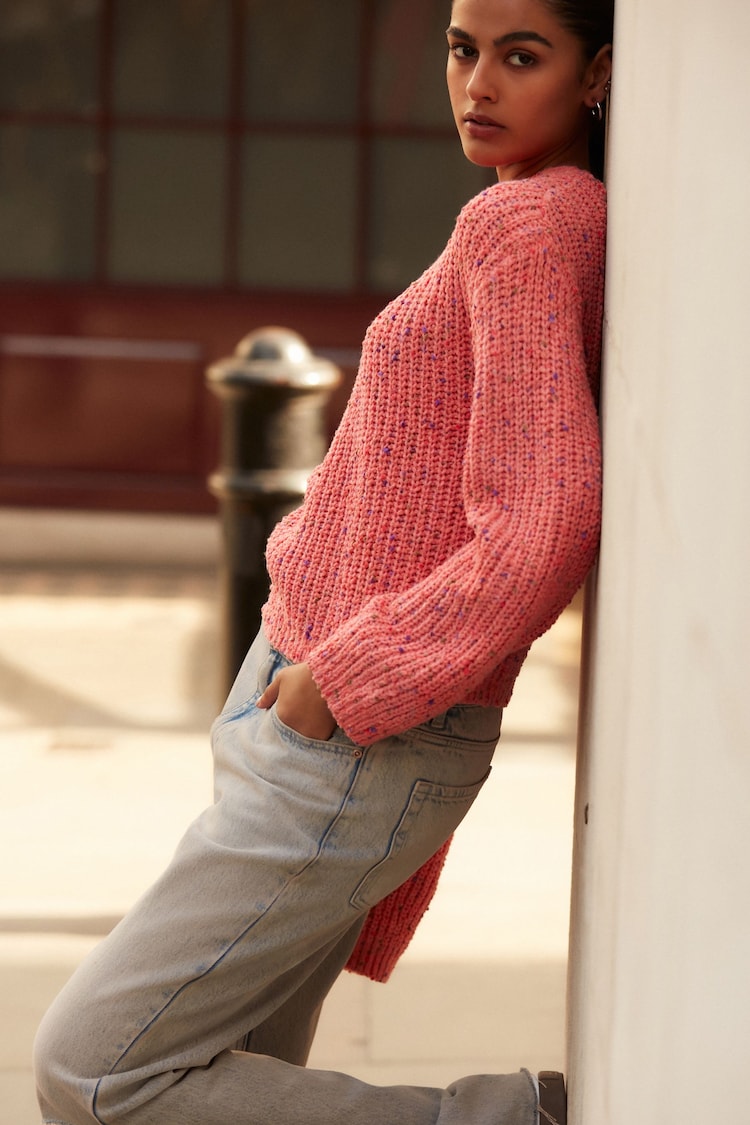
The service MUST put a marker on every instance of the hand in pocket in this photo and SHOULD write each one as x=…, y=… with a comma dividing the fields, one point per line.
x=299, y=703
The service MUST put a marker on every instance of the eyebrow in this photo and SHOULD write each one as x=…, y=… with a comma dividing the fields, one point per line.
x=511, y=37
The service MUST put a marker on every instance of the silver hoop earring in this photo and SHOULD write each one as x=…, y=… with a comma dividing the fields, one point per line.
x=597, y=112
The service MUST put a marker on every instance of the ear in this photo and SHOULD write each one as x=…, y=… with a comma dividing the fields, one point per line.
x=598, y=74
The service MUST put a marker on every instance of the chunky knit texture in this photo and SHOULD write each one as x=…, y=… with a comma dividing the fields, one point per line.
x=457, y=510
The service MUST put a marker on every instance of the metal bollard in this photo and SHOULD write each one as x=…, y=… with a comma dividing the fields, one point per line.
x=273, y=393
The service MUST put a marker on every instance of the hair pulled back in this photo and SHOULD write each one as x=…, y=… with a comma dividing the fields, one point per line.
x=591, y=21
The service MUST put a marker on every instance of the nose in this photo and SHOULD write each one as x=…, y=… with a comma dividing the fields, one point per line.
x=481, y=85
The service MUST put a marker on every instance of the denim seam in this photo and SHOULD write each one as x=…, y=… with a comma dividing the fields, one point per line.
x=535, y=1094
x=423, y=792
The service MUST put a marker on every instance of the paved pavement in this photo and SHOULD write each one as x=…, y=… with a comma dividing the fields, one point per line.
x=108, y=655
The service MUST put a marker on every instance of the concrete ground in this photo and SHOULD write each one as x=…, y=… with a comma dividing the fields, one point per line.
x=108, y=656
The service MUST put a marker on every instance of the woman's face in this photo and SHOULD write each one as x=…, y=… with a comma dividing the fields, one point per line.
x=520, y=86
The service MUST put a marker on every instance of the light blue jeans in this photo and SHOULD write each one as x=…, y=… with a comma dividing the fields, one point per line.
x=200, y=1007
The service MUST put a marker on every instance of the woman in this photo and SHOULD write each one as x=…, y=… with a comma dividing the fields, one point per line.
x=454, y=516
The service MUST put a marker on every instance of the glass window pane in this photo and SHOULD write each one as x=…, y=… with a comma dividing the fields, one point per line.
x=408, y=66
x=302, y=60
x=299, y=208
x=47, y=201
x=171, y=58
x=419, y=186
x=49, y=55
x=167, y=207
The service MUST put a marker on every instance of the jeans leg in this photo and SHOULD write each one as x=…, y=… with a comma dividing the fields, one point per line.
x=303, y=838
x=267, y=1091
x=288, y=1032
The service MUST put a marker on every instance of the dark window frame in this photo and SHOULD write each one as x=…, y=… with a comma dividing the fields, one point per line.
x=234, y=127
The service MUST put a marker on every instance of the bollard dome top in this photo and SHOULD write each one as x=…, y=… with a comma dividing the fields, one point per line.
x=277, y=356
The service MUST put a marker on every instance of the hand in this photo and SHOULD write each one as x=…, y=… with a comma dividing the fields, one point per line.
x=299, y=703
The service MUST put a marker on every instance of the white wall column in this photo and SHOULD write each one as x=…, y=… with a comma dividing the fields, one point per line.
x=660, y=947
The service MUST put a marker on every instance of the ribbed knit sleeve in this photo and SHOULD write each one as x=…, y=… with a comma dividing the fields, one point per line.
x=530, y=485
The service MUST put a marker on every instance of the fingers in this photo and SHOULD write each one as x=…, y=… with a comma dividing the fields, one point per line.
x=269, y=696
x=300, y=704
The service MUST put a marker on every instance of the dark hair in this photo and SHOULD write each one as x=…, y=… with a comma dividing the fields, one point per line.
x=591, y=21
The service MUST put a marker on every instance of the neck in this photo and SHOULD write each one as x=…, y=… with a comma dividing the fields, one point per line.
x=574, y=154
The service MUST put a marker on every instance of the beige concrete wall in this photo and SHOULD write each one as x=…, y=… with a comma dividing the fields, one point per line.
x=660, y=958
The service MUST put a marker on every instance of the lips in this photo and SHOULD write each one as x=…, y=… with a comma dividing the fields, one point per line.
x=481, y=128
x=479, y=119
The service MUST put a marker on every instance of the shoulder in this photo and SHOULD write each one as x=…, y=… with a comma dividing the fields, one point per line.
x=560, y=206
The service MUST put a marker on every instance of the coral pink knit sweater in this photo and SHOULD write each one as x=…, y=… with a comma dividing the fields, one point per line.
x=457, y=510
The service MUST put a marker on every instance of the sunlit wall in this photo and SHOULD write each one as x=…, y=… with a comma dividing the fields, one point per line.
x=660, y=985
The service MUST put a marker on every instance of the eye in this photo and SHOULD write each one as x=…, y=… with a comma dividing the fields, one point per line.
x=521, y=59
x=461, y=51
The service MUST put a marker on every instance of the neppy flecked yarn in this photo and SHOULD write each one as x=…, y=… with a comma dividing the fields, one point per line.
x=457, y=510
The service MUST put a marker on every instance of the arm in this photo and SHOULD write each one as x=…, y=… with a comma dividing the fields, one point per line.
x=531, y=486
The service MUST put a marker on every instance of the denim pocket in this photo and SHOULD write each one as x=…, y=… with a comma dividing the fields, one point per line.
x=337, y=741
x=465, y=725
x=431, y=815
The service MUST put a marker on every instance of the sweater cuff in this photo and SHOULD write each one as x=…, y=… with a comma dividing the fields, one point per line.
x=366, y=691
